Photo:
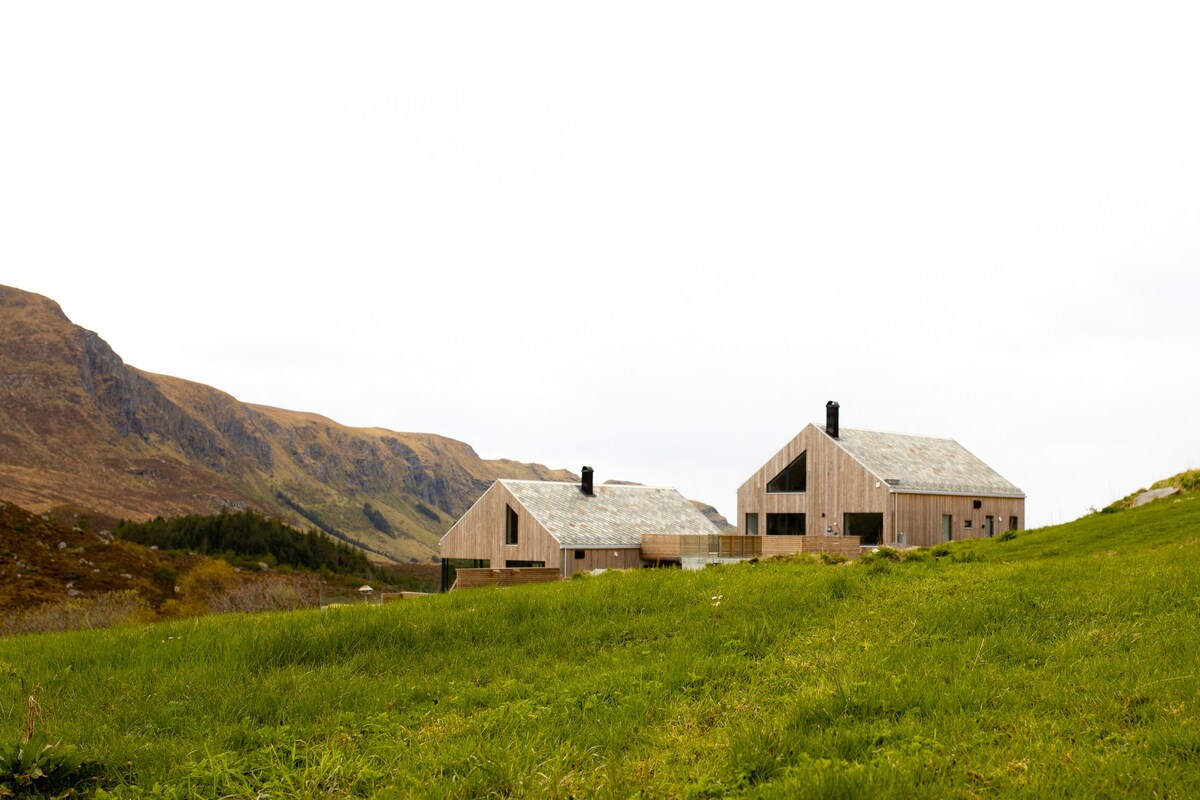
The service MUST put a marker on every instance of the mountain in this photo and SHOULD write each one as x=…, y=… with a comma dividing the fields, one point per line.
x=82, y=430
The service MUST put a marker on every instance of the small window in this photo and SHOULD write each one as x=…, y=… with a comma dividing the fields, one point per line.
x=977, y=504
x=752, y=524
x=966, y=523
x=578, y=555
x=1012, y=523
x=510, y=526
x=794, y=477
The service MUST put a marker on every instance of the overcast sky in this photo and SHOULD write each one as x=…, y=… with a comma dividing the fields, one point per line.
x=650, y=237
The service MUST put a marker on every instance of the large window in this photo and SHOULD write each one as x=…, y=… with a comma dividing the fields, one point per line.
x=752, y=524
x=785, y=524
x=794, y=477
x=867, y=527
x=451, y=566
x=510, y=526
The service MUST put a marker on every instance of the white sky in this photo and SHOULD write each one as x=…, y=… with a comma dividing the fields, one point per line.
x=650, y=237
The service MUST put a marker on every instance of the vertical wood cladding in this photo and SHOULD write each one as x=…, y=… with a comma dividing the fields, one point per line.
x=480, y=533
x=596, y=558
x=919, y=516
x=839, y=485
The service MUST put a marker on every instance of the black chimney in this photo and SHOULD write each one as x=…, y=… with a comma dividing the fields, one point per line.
x=831, y=418
x=586, y=486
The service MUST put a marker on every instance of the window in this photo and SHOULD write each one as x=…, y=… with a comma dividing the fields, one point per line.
x=794, y=477
x=977, y=504
x=510, y=526
x=752, y=524
x=451, y=566
x=867, y=527
x=1013, y=523
x=785, y=524
x=966, y=523
x=947, y=527
x=578, y=555
x=523, y=564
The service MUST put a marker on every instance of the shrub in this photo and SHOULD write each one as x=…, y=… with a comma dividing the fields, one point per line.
x=36, y=767
x=79, y=613
x=878, y=554
x=832, y=558
x=1008, y=536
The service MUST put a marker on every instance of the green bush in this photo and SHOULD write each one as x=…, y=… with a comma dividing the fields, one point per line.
x=35, y=768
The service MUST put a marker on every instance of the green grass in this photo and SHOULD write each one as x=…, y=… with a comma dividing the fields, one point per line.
x=1062, y=662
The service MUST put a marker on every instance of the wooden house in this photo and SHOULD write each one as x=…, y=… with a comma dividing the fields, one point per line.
x=573, y=527
x=886, y=488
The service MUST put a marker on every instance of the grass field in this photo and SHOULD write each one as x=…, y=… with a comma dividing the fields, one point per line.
x=1063, y=662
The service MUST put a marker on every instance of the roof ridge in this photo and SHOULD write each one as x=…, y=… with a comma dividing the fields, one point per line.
x=576, y=483
x=895, y=433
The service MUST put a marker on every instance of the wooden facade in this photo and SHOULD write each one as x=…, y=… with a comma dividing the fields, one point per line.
x=481, y=534
x=920, y=517
x=838, y=485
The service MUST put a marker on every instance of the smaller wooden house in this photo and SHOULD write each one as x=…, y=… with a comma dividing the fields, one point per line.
x=574, y=527
x=885, y=488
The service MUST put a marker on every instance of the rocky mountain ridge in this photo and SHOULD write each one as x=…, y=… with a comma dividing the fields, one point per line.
x=80, y=428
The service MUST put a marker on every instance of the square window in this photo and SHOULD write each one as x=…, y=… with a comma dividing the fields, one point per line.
x=578, y=555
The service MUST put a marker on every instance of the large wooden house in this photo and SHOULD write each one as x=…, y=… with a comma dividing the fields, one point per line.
x=573, y=527
x=885, y=488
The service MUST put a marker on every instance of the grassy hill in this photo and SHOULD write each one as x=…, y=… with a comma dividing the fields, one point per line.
x=1063, y=661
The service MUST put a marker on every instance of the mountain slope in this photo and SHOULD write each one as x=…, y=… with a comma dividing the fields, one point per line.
x=79, y=427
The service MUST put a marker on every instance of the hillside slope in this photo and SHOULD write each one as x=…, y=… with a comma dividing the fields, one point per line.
x=1059, y=662
x=79, y=427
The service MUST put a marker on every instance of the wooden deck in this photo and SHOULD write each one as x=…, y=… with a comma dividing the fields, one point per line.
x=509, y=576
x=667, y=547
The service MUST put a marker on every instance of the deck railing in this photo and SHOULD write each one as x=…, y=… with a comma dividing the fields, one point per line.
x=676, y=547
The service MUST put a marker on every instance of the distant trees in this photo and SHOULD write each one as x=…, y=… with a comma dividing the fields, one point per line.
x=377, y=520
x=250, y=535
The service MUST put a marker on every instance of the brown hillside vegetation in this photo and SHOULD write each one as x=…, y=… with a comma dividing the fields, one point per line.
x=80, y=428
x=55, y=576
x=42, y=561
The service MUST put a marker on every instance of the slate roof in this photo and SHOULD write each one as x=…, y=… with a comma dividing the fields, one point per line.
x=924, y=463
x=615, y=516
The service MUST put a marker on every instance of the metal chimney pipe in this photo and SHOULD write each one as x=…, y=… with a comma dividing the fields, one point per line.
x=586, y=486
x=831, y=418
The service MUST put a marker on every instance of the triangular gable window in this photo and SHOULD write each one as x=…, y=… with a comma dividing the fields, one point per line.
x=794, y=477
